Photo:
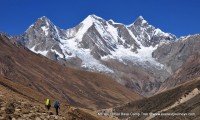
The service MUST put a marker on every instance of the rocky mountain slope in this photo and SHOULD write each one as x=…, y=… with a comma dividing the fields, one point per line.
x=72, y=86
x=179, y=103
x=179, y=94
x=182, y=59
x=174, y=54
x=15, y=105
x=121, y=51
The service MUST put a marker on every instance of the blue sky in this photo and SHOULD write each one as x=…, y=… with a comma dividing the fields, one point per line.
x=179, y=17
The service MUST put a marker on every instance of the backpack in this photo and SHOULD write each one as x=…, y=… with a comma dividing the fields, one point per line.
x=48, y=103
x=56, y=104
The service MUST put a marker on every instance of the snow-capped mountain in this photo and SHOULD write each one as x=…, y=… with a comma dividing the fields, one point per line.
x=122, y=51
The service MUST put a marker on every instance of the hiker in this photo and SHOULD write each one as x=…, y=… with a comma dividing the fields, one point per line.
x=48, y=104
x=56, y=106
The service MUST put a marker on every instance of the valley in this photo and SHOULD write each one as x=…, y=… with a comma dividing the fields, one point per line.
x=102, y=69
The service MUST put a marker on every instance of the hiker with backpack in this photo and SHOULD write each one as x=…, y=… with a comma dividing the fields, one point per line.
x=56, y=106
x=48, y=104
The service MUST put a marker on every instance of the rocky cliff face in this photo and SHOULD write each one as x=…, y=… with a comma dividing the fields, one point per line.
x=175, y=54
x=104, y=46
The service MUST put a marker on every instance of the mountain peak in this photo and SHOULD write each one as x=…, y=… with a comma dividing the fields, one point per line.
x=42, y=21
x=43, y=17
x=95, y=17
x=90, y=20
x=141, y=17
x=140, y=20
x=45, y=26
x=45, y=20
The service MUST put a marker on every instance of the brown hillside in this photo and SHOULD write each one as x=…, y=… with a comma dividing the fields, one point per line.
x=75, y=87
x=164, y=100
x=14, y=104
